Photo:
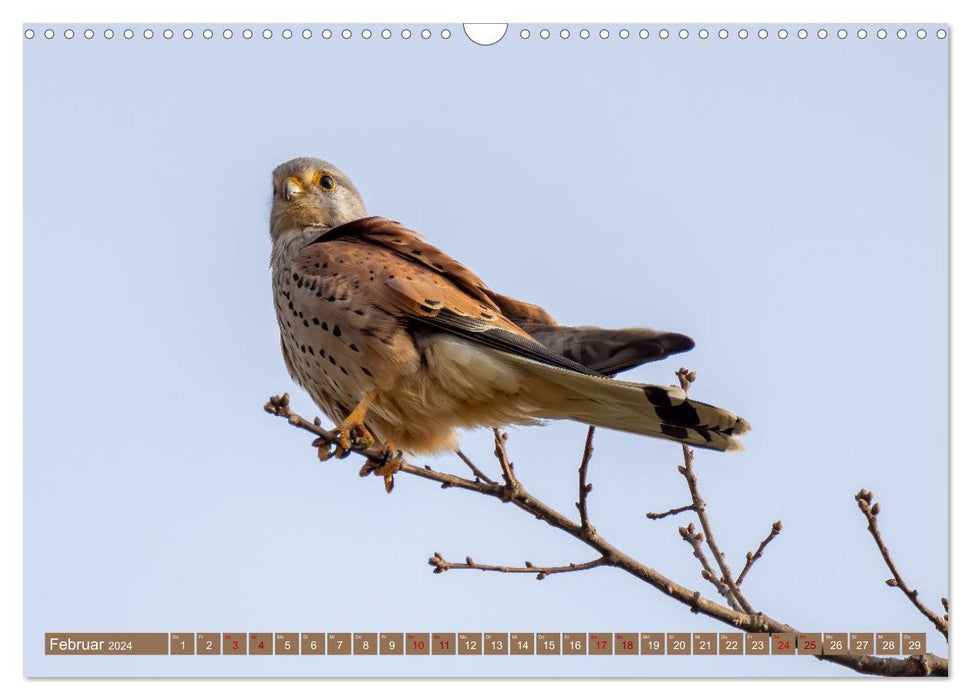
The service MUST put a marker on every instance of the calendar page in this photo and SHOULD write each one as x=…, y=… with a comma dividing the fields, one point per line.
x=519, y=350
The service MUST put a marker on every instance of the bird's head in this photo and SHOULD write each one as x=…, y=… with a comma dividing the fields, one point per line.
x=310, y=191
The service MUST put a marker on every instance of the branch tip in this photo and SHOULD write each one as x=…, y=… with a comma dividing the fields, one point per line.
x=870, y=510
x=751, y=558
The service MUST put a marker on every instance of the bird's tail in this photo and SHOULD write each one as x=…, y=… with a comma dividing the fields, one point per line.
x=645, y=409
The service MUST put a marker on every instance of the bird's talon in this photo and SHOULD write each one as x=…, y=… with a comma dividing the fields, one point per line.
x=391, y=462
x=385, y=466
x=353, y=435
x=340, y=452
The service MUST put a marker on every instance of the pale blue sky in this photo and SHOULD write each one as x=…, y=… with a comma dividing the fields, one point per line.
x=783, y=202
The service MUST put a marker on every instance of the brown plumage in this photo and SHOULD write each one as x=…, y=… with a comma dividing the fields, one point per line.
x=387, y=332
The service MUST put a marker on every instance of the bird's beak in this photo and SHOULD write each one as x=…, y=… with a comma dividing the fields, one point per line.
x=291, y=188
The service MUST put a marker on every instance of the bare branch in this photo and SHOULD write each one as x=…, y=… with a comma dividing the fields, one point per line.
x=685, y=378
x=441, y=566
x=585, y=488
x=917, y=665
x=750, y=558
x=696, y=540
x=673, y=511
x=719, y=556
x=864, y=499
x=922, y=665
x=475, y=470
x=508, y=475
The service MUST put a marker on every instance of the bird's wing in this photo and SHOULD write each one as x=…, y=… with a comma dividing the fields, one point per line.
x=609, y=350
x=522, y=312
x=409, y=245
x=604, y=351
x=418, y=283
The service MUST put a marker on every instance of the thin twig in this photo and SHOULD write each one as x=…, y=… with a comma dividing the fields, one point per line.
x=441, y=566
x=696, y=540
x=585, y=488
x=475, y=470
x=864, y=499
x=921, y=665
x=508, y=475
x=750, y=558
x=686, y=377
x=673, y=511
x=735, y=595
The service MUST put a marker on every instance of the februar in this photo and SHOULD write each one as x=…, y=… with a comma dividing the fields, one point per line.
x=58, y=644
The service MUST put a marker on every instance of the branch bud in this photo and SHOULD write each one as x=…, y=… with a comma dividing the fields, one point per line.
x=875, y=509
x=777, y=527
x=541, y=575
x=892, y=582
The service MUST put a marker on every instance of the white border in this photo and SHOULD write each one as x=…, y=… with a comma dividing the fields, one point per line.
x=486, y=34
x=566, y=11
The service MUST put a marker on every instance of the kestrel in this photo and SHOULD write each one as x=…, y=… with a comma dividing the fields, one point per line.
x=395, y=340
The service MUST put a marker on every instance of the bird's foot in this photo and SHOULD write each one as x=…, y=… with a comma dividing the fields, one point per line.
x=385, y=466
x=351, y=434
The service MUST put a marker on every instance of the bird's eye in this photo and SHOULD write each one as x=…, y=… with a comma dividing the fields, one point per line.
x=325, y=181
